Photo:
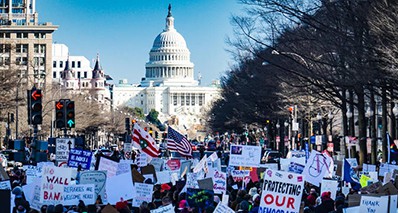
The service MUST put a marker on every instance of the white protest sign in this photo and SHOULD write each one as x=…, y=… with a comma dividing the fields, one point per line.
x=143, y=192
x=149, y=176
x=35, y=196
x=316, y=168
x=98, y=178
x=191, y=180
x=282, y=192
x=374, y=204
x=141, y=160
x=329, y=186
x=163, y=177
x=62, y=148
x=238, y=175
x=164, y=209
x=354, y=209
x=5, y=184
x=200, y=165
x=53, y=181
x=245, y=156
x=225, y=199
x=30, y=172
x=393, y=204
x=213, y=157
x=127, y=147
x=384, y=167
x=108, y=165
x=222, y=208
x=120, y=186
x=124, y=166
x=285, y=163
x=73, y=193
x=157, y=163
x=369, y=167
x=219, y=182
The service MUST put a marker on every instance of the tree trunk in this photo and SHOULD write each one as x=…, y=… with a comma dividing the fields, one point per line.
x=384, y=124
x=343, y=107
x=362, y=128
x=373, y=128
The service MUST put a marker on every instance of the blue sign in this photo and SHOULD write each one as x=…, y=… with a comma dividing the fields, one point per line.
x=312, y=139
x=79, y=157
x=307, y=152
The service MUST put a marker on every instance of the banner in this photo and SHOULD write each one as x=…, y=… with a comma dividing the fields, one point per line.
x=318, y=165
x=53, y=181
x=143, y=192
x=72, y=194
x=98, y=178
x=282, y=192
x=245, y=156
x=108, y=165
x=79, y=157
x=164, y=209
x=219, y=180
x=62, y=148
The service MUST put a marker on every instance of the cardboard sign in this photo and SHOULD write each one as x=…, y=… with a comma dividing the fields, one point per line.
x=136, y=176
x=108, y=165
x=53, y=181
x=374, y=204
x=119, y=186
x=164, y=209
x=329, y=186
x=98, y=178
x=371, y=188
x=223, y=208
x=388, y=189
x=62, y=148
x=200, y=198
x=318, y=165
x=143, y=193
x=219, y=180
x=149, y=169
x=79, y=157
x=72, y=194
x=245, y=156
x=282, y=191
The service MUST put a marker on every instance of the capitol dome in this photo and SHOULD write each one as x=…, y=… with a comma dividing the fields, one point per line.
x=169, y=59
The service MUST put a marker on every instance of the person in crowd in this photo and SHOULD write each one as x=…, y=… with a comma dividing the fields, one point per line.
x=144, y=208
x=166, y=201
x=256, y=204
x=327, y=204
x=339, y=204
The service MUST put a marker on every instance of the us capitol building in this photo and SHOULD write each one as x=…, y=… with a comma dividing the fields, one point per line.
x=169, y=85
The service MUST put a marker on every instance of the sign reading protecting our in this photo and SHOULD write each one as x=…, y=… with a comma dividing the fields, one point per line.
x=282, y=192
x=79, y=157
x=245, y=156
x=62, y=148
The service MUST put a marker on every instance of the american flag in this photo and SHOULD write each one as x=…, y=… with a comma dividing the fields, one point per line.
x=176, y=141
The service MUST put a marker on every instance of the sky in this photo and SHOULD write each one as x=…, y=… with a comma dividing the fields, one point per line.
x=122, y=32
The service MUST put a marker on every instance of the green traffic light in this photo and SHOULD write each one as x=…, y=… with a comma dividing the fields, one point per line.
x=70, y=123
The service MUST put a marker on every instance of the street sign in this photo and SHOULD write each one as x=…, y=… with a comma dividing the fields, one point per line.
x=63, y=145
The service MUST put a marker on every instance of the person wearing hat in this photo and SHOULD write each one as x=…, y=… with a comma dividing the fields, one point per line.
x=256, y=203
x=327, y=204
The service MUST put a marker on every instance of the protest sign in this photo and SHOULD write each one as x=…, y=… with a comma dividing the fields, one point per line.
x=157, y=163
x=136, y=176
x=284, y=163
x=119, y=186
x=185, y=167
x=282, y=191
x=223, y=208
x=206, y=183
x=108, y=165
x=163, y=177
x=124, y=166
x=143, y=193
x=393, y=204
x=369, y=167
x=364, y=180
x=329, y=186
x=385, y=167
x=98, y=178
x=63, y=145
x=164, y=209
x=374, y=204
x=239, y=175
x=219, y=180
x=127, y=147
x=53, y=181
x=30, y=172
x=354, y=209
x=388, y=189
x=191, y=180
x=199, y=166
x=371, y=188
x=296, y=167
x=225, y=199
x=79, y=157
x=317, y=166
x=5, y=184
x=200, y=198
x=173, y=164
x=74, y=193
x=149, y=169
x=245, y=156
x=3, y=174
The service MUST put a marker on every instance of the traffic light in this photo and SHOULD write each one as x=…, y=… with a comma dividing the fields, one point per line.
x=60, y=114
x=151, y=131
x=156, y=134
x=70, y=113
x=35, y=107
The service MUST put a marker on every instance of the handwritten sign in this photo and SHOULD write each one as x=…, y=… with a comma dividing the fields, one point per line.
x=141, y=160
x=119, y=186
x=219, y=180
x=79, y=157
x=173, y=164
x=201, y=198
x=282, y=191
x=124, y=166
x=143, y=192
x=73, y=193
x=239, y=175
x=245, y=156
x=157, y=163
x=318, y=165
x=108, y=165
x=164, y=209
x=62, y=148
x=223, y=208
x=191, y=180
x=329, y=186
x=98, y=178
x=5, y=185
x=53, y=181
x=374, y=204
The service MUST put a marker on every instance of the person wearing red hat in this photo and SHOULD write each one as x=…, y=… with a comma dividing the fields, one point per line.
x=327, y=204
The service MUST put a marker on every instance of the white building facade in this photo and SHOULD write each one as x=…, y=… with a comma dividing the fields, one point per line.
x=169, y=85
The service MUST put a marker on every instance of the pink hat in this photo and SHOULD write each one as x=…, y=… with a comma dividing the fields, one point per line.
x=182, y=204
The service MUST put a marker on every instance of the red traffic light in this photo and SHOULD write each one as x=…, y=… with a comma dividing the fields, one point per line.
x=36, y=94
x=59, y=105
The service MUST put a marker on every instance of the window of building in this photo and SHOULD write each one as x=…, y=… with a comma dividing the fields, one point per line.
x=85, y=74
x=175, y=99
x=79, y=74
x=187, y=99
x=54, y=64
x=39, y=61
x=61, y=64
x=201, y=99
x=79, y=64
x=141, y=102
x=61, y=74
x=22, y=48
x=22, y=35
x=21, y=60
x=54, y=74
x=182, y=100
x=5, y=48
x=73, y=64
x=4, y=35
x=40, y=35
x=5, y=60
x=193, y=99
x=39, y=48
